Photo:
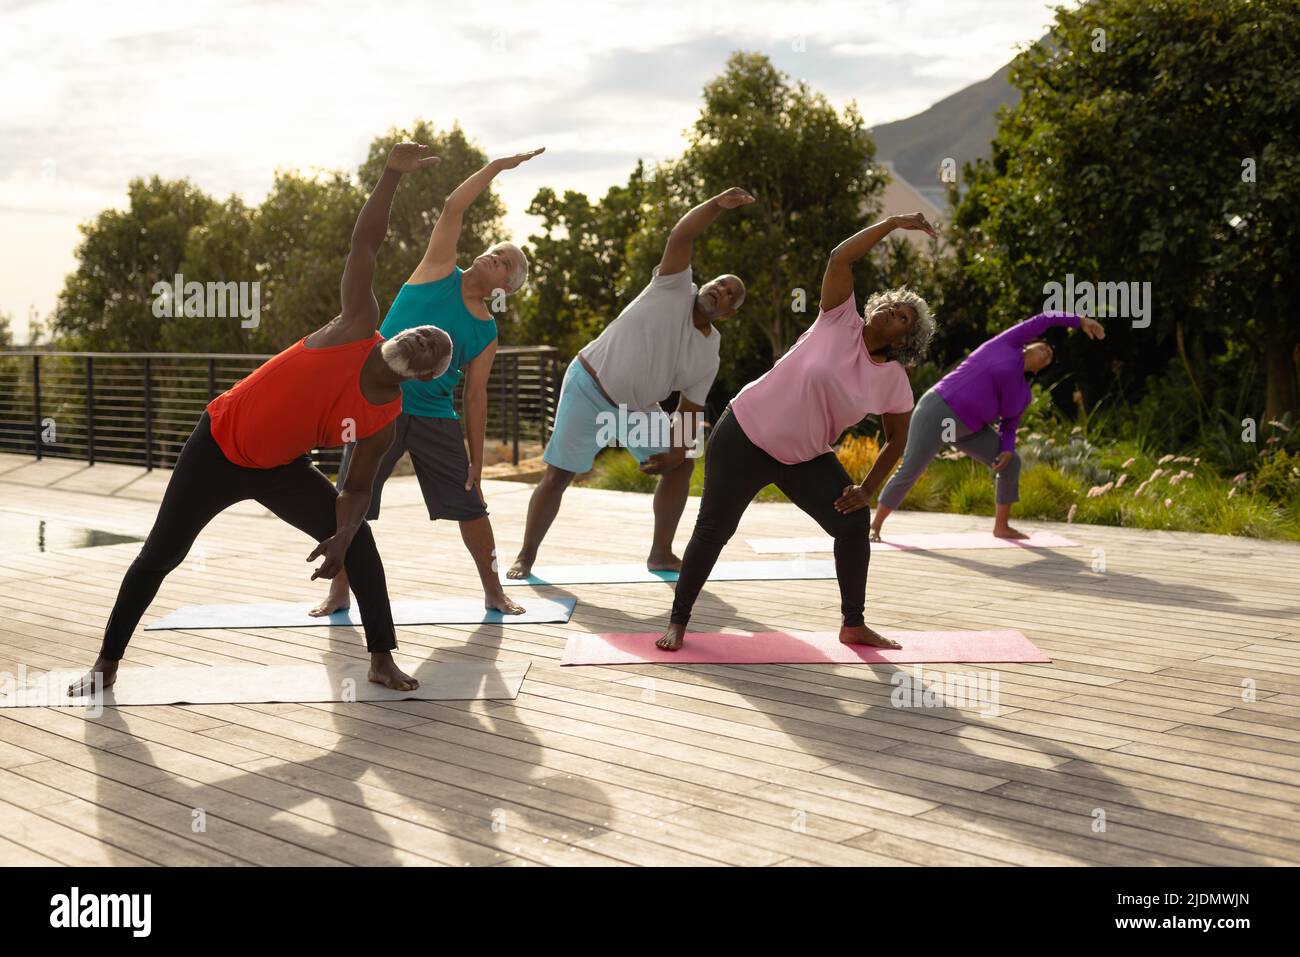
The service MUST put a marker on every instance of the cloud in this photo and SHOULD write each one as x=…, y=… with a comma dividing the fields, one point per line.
x=225, y=94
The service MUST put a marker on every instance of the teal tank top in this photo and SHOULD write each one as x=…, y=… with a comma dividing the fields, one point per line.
x=438, y=304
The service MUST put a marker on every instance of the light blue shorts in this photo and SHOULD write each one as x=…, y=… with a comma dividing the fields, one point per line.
x=586, y=422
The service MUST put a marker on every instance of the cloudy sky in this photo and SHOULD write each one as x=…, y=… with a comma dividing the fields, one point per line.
x=225, y=93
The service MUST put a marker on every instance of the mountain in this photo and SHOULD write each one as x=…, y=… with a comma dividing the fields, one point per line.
x=960, y=126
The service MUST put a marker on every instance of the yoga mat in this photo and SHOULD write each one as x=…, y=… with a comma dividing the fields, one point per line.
x=802, y=647
x=262, y=684
x=915, y=542
x=785, y=570
x=455, y=611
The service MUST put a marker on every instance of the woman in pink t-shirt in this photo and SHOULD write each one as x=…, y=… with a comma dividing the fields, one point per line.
x=779, y=429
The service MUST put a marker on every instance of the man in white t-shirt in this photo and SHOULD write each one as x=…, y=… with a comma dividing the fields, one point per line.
x=662, y=342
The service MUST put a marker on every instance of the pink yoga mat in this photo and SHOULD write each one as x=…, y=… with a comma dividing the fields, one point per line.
x=914, y=542
x=803, y=647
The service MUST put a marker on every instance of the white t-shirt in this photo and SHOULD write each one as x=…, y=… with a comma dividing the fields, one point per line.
x=653, y=348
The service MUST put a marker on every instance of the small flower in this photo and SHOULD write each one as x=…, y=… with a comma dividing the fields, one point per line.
x=1122, y=480
x=1155, y=475
x=1164, y=459
x=1069, y=516
x=1168, y=502
x=1232, y=491
x=1239, y=478
x=1128, y=462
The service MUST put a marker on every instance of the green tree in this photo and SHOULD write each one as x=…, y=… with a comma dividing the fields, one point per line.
x=300, y=236
x=419, y=201
x=1128, y=158
x=218, y=249
x=107, y=302
x=577, y=264
x=811, y=171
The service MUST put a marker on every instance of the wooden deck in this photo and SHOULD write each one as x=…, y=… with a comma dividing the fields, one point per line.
x=1140, y=717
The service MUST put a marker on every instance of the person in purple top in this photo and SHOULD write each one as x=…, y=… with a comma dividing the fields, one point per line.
x=988, y=386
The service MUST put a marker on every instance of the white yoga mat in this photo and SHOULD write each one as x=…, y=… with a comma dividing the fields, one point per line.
x=453, y=611
x=722, y=572
x=264, y=684
x=915, y=542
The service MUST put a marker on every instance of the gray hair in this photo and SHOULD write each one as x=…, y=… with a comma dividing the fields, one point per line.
x=914, y=348
x=444, y=346
x=519, y=274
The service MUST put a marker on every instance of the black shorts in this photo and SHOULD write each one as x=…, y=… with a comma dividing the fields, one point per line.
x=437, y=448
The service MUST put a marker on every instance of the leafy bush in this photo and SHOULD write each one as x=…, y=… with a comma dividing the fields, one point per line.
x=1067, y=477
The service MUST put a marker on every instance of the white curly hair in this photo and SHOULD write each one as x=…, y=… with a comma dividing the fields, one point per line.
x=917, y=344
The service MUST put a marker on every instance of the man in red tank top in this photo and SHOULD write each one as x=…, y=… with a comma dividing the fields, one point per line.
x=340, y=384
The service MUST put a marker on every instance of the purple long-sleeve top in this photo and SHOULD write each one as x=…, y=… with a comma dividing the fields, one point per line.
x=990, y=382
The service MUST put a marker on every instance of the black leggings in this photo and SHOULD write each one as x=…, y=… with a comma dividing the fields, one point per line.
x=735, y=470
x=205, y=483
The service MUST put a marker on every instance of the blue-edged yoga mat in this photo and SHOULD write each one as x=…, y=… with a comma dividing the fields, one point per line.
x=791, y=570
x=453, y=611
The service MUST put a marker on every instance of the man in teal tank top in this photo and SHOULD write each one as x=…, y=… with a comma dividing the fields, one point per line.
x=440, y=293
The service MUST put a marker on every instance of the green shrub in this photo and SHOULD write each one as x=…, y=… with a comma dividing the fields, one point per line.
x=1046, y=493
x=1278, y=478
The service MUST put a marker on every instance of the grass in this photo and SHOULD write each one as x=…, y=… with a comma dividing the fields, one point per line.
x=1065, y=478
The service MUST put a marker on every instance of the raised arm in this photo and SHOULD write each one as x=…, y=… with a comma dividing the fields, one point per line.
x=677, y=251
x=1030, y=329
x=440, y=256
x=359, y=304
x=837, y=281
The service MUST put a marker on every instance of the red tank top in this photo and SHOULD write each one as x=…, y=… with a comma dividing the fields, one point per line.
x=299, y=400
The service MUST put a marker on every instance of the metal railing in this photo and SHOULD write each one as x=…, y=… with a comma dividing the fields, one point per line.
x=138, y=408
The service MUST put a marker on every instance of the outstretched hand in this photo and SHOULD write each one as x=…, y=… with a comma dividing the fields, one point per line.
x=510, y=162
x=734, y=197
x=1092, y=328
x=406, y=157
x=915, y=221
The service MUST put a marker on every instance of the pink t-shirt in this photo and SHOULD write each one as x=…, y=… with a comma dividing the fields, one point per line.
x=825, y=383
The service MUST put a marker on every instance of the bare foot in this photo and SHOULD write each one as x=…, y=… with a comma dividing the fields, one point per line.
x=522, y=568
x=104, y=671
x=384, y=671
x=667, y=562
x=499, y=602
x=336, y=600
x=672, y=639
x=862, y=635
x=875, y=535
x=1006, y=531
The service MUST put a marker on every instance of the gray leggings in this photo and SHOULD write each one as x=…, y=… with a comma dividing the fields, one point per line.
x=925, y=439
